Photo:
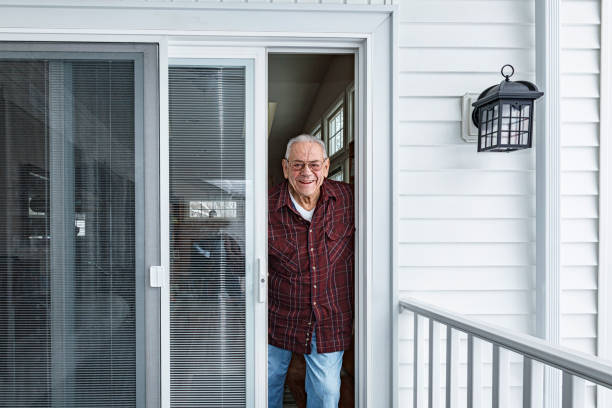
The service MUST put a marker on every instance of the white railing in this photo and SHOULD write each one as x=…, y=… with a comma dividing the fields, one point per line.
x=576, y=368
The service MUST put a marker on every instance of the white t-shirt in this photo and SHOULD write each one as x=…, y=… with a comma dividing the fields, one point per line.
x=307, y=215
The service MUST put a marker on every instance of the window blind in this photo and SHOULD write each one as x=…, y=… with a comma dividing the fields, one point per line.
x=207, y=217
x=67, y=246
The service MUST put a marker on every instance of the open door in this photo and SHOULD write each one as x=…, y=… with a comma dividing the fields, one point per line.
x=313, y=93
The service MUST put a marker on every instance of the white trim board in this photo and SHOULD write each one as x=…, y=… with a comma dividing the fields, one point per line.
x=371, y=30
x=548, y=182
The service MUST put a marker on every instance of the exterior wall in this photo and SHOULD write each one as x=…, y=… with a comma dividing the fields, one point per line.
x=580, y=40
x=467, y=238
x=467, y=220
x=580, y=89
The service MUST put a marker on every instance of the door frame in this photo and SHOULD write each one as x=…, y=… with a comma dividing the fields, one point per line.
x=371, y=30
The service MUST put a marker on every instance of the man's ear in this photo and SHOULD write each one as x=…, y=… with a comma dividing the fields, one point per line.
x=285, y=165
x=325, y=167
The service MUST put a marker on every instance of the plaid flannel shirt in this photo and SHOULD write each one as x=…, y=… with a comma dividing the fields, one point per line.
x=310, y=264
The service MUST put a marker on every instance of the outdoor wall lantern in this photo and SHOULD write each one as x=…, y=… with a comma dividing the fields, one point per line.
x=503, y=114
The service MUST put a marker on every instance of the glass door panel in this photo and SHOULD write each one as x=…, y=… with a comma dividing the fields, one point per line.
x=210, y=235
x=71, y=246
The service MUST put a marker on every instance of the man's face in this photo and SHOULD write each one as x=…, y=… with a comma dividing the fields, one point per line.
x=303, y=158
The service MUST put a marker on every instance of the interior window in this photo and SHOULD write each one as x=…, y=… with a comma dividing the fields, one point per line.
x=336, y=131
x=337, y=174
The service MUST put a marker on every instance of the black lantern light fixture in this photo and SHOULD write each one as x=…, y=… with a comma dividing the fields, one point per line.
x=503, y=114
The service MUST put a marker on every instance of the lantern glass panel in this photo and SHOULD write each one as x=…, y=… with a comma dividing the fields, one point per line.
x=505, y=110
x=524, y=130
x=505, y=124
x=504, y=137
x=515, y=114
x=525, y=111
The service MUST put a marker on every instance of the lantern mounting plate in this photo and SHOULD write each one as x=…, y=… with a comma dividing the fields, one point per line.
x=469, y=131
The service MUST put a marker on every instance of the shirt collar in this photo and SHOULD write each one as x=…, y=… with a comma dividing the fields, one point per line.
x=328, y=190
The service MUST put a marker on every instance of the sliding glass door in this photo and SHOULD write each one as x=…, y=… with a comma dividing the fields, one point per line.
x=83, y=217
x=72, y=222
x=212, y=251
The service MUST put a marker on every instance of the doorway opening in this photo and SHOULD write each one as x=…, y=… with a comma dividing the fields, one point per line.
x=314, y=94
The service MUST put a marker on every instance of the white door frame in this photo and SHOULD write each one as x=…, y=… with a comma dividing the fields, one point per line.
x=372, y=30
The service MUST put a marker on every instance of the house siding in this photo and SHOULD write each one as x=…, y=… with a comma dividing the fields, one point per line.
x=580, y=39
x=466, y=236
x=580, y=89
x=467, y=220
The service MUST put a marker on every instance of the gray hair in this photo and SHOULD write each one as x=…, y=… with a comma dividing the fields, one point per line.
x=305, y=138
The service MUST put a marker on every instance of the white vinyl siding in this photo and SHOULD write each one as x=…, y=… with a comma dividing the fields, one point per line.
x=580, y=39
x=467, y=219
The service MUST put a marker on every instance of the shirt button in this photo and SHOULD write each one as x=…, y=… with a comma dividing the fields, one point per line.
x=314, y=268
x=314, y=286
x=310, y=230
x=314, y=303
x=311, y=249
x=309, y=323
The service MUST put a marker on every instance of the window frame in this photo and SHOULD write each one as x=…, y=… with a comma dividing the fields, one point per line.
x=330, y=114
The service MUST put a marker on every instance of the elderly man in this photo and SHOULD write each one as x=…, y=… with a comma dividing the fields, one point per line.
x=311, y=249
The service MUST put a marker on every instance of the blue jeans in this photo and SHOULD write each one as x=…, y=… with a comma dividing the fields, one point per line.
x=322, y=376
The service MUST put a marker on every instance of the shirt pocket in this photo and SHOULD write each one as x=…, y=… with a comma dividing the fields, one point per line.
x=338, y=239
x=283, y=252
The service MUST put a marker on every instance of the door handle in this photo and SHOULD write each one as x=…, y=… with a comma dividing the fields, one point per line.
x=262, y=283
x=157, y=276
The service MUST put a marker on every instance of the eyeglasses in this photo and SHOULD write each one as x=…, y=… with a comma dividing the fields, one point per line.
x=297, y=165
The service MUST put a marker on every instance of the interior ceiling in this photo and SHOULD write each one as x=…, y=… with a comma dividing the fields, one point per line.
x=293, y=83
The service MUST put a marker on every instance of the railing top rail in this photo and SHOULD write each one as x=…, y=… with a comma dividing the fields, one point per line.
x=582, y=365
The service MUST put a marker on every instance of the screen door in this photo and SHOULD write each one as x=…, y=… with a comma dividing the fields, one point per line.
x=72, y=219
x=214, y=287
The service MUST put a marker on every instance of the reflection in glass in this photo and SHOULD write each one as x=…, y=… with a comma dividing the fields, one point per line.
x=67, y=216
x=207, y=226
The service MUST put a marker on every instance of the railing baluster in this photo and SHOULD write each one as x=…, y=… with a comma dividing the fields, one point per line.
x=419, y=363
x=451, y=368
x=527, y=381
x=415, y=363
x=574, y=389
x=434, y=364
x=474, y=396
x=539, y=357
x=496, y=377
x=501, y=368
